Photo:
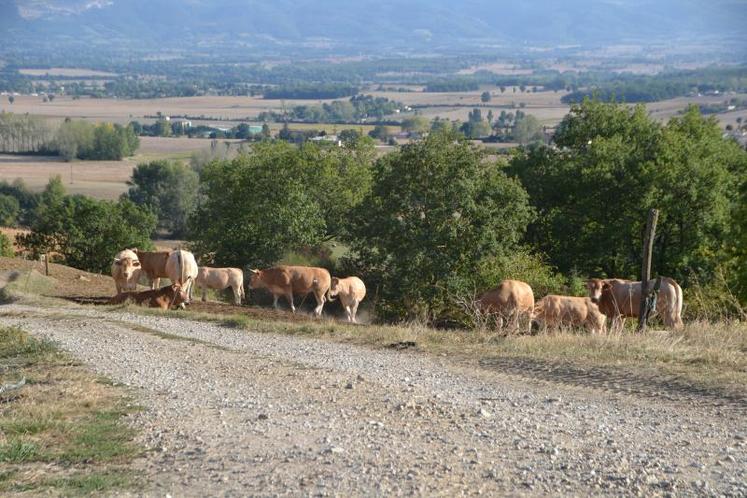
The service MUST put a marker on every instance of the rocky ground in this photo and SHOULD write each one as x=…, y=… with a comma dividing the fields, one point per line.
x=234, y=413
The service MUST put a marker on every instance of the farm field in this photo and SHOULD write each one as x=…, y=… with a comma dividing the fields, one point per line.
x=228, y=111
x=100, y=179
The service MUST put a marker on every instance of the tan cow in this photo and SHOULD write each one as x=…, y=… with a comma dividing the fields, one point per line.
x=618, y=298
x=181, y=268
x=568, y=311
x=153, y=265
x=165, y=298
x=512, y=299
x=289, y=280
x=351, y=290
x=219, y=279
x=126, y=271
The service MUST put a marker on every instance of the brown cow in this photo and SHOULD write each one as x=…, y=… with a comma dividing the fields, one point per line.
x=289, y=280
x=512, y=299
x=351, y=290
x=126, y=271
x=153, y=265
x=618, y=298
x=219, y=279
x=568, y=311
x=164, y=298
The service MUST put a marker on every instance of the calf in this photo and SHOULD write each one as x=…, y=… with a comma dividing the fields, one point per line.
x=351, y=290
x=512, y=299
x=164, y=298
x=567, y=311
x=289, y=280
x=219, y=279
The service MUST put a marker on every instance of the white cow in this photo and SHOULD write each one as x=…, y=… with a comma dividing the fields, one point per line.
x=351, y=290
x=219, y=279
x=126, y=271
x=181, y=269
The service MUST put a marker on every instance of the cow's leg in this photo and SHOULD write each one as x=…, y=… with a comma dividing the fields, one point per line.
x=354, y=312
x=349, y=312
x=275, y=301
x=289, y=297
x=155, y=283
x=236, y=295
x=204, y=294
x=319, y=304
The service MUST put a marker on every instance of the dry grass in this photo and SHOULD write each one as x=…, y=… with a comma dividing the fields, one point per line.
x=62, y=432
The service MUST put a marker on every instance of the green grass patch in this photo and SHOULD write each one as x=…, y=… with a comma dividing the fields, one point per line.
x=63, y=416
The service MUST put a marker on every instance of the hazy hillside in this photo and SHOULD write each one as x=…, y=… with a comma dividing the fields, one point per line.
x=369, y=25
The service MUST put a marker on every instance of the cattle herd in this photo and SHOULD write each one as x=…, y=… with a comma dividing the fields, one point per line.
x=512, y=299
x=181, y=268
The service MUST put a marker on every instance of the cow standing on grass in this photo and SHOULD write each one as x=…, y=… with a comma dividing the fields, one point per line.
x=512, y=300
x=351, y=290
x=153, y=265
x=618, y=298
x=567, y=311
x=181, y=269
x=220, y=279
x=288, y=281
x=126, y=271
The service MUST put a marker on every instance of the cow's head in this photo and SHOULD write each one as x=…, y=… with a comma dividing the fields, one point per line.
x=255, y=280
x=334, y=287
x=179, y=297
x=594, y=286
x=128, y=266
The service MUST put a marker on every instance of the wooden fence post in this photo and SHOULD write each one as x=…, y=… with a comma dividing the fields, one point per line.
x=648, y=248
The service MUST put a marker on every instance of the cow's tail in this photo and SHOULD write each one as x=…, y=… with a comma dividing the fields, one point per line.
x=674, y=306
x=677, y=308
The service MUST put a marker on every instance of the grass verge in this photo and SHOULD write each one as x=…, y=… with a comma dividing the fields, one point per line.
x=62, y=433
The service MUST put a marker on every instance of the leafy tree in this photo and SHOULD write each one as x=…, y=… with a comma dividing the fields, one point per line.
x=10, y=209
x=349, y=136
x=87, y=232
x=168, y=189
x=528, y=129
x=162, y=128
x=612, y=163
x=415, y=124
x=6, y=247
x=255, y=208
x=476, y=126
x=74, y=138
x=380, y=132
x=486, y=97
x=436, y=210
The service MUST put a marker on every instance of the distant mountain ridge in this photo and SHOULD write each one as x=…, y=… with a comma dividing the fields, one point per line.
x=371, y=24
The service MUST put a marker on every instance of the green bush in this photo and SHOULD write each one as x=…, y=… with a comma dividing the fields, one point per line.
x=87, y=232
x=6, y=247
x=438, y=208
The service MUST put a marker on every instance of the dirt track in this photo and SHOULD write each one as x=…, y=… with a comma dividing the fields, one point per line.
x=237, y=413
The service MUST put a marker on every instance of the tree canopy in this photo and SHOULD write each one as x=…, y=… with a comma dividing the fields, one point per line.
x=438, y=208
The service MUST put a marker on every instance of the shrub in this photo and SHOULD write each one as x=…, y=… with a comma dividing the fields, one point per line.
x=437, y=208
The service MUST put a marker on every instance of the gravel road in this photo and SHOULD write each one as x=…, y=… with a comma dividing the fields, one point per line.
x=235, y=413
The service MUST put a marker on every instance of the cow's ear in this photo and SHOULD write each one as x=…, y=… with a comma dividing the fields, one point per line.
x=255, y=271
